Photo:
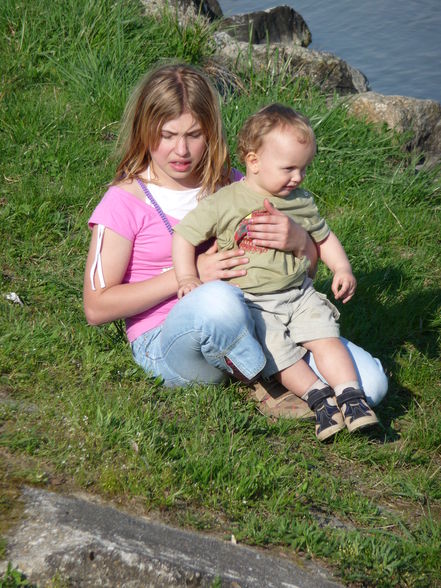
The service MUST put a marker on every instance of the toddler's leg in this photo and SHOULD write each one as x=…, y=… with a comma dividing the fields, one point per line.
x=370, y=373
x=335, y=363
x=297, y=378
x=300, y=379
x=332, y=359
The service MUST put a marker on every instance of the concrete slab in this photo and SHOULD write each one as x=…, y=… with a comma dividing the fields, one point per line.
x=89, y=545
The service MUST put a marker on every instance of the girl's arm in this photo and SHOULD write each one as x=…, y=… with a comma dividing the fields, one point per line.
x=331, y=252
x=184, y=265
x=117, y=300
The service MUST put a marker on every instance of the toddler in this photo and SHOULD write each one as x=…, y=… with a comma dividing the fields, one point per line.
x=276, y=145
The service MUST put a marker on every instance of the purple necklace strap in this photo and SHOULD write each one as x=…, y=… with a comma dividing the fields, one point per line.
x=155, y=205
x=237, y=175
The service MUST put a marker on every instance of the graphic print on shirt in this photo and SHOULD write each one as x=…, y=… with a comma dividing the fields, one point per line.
x=241, y=234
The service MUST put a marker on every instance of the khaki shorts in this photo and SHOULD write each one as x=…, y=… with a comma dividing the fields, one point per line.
x=286, y=319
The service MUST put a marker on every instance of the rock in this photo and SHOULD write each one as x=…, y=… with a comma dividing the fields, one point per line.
x=402, y=114
x=325, y=70
x=275, y=25
x=82, y=542
x=210, y=9
x=283, y=54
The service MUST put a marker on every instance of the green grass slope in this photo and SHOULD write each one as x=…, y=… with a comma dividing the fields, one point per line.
x=75, y=411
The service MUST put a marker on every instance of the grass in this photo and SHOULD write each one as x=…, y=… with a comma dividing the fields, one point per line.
x=77, y=413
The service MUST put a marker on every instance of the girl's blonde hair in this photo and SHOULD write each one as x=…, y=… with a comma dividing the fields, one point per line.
x=271, y=117
x=163, y=95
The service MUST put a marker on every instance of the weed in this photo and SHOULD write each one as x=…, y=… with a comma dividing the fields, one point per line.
x=13, y=578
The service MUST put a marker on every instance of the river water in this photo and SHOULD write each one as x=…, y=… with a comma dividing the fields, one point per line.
x=395, y=43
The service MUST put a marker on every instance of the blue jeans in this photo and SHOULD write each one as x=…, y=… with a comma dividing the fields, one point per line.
x=209, y=324
x=213, y=322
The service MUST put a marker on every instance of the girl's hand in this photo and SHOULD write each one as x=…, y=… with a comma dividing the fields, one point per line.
x=218, y=265
x=277, y=231
x=343, y=285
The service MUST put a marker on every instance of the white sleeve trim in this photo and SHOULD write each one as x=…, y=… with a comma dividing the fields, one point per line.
x=97, y=265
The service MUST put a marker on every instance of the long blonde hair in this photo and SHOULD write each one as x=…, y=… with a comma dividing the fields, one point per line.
x=162, y=95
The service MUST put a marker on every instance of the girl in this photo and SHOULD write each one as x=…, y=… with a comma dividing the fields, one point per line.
x=173, y=154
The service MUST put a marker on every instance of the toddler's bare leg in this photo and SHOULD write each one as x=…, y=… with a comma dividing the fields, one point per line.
x=298, y=377
x=333, y=360
x=335, y=364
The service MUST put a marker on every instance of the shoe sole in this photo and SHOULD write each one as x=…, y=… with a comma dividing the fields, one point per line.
x=362, y=423
x=330, y=431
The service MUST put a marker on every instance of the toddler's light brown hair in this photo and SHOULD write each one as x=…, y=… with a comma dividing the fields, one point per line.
x=271, y=117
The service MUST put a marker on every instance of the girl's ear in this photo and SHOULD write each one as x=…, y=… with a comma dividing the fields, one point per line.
x=252, y=162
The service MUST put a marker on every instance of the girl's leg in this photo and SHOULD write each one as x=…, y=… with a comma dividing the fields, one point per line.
x=208, y=325
x=369, y=370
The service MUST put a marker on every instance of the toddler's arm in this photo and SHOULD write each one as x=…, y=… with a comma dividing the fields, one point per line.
x=331, y=252
x=184, y=265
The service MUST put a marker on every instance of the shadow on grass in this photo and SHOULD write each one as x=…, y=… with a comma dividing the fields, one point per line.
x=395, y=404
x=385, y=322
x=382, y=320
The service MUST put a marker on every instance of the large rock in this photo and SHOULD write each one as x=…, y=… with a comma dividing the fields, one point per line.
x=275, y=25
x=210, y=9
x=403, y=114
x=325, y=70
x=86, y=544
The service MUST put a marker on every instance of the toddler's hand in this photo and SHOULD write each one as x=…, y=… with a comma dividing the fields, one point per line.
x=343, y=285
x=187, y=284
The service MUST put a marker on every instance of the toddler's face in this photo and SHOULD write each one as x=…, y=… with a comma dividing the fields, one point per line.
x=281, y=162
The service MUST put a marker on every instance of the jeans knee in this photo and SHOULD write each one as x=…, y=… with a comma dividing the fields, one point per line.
x=376, y=388
x=223, y=304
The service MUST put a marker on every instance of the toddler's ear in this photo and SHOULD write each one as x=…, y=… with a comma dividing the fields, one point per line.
x=252, y=162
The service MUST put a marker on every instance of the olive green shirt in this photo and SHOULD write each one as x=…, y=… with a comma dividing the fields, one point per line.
x=219, y=215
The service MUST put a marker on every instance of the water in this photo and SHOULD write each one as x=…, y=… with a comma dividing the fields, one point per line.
x=396, y=44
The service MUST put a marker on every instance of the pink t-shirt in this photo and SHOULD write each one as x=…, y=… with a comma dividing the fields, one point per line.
x=139, y=222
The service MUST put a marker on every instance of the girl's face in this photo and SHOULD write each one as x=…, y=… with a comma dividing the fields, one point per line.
x=181, y=147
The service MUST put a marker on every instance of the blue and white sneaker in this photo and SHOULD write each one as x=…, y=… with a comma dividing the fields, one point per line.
x=356, y=412
x=328, y=418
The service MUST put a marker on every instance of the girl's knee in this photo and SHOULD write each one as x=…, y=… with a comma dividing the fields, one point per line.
x=376, y=386
x=219, y=301
x=370, y=372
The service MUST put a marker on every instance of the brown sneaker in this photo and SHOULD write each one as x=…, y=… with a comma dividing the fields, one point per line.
x=275, y=400
x=356, y=412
